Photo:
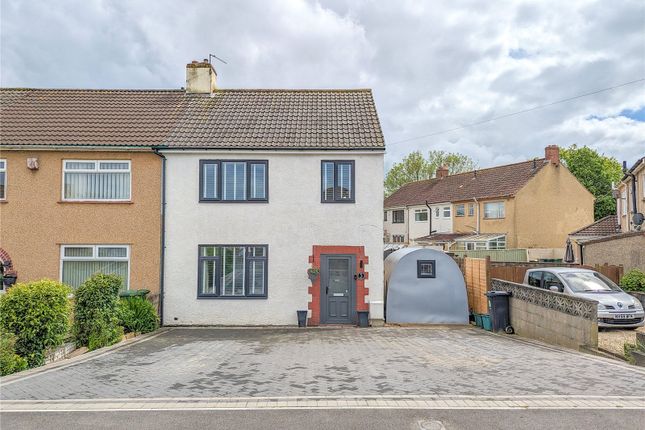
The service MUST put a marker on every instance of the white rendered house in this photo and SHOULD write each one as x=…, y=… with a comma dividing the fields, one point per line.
x=262, y=185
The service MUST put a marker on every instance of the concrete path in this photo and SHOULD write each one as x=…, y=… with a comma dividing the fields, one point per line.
x=331, y=368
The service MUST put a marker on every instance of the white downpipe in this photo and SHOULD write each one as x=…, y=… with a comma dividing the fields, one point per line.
x=477, y=203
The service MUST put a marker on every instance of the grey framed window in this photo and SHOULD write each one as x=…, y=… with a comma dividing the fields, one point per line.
x=384, y=215
x=232, y=271
x=337, y=179
x=398, y=217
x=233, y=181
x=426, y=269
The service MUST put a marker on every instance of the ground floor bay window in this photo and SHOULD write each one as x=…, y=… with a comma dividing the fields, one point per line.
x=79, y=262
x=232, y=271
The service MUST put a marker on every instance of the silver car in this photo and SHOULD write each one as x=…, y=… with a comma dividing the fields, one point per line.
x=616, y=308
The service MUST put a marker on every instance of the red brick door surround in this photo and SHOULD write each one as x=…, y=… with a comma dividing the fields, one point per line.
x=314, y=289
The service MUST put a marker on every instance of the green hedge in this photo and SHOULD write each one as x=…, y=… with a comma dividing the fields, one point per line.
x=137, y=315
x=96, y=321
x=634, y=280
x=10, y=362
x=37, y=313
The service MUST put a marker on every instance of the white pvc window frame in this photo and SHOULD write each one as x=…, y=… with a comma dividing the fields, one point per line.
x=95, y=257
x=418, y=214
x=3, y=170
x=494, y=210
x=97, y=169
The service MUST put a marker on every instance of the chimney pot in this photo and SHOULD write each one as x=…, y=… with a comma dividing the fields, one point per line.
x=552, y=154
x=442, y=172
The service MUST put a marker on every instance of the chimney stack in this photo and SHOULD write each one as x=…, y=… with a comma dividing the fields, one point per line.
x=201, y=78
x=552, y=154
x=442, y=172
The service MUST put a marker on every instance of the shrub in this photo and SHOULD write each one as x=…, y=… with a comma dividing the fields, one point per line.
x=138, y=315
x=37, y=313
x=634, y=280
x=10, y=362
x=96, y=322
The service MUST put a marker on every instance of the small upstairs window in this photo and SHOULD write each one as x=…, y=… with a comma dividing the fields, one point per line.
x=398, y=217
x=420, y=215
x=460, y=210
x=337, y=181
x=494, y=210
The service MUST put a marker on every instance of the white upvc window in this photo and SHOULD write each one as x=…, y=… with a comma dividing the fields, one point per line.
x=79, y=262
x=446, y=211
x=493, y=210
x=96, y=180
x=3, y=179
x=421, y=215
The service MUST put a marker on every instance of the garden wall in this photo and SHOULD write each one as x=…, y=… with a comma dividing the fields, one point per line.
x=551, y=317
x=626, y=249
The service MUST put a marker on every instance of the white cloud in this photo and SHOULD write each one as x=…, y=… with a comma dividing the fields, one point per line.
x=433, y=66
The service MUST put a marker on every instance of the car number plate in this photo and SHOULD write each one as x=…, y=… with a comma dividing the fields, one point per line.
x=623, y=316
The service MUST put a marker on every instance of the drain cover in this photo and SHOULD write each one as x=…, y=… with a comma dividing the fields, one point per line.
x=431, y=425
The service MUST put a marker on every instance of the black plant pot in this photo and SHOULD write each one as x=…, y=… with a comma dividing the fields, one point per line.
x=363, y=318
x=312, y=276
x=302, y=318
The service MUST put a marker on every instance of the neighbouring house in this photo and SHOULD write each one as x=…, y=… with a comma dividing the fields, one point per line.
x=604, y=227
x=80, y=186
x=530, y=205
x=626, y=244
x=236, y=197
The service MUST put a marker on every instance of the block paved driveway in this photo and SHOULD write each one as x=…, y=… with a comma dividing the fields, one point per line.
x=206, y=362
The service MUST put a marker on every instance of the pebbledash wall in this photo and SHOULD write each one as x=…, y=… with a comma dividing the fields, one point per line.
x=551, y=317
x=292, y=224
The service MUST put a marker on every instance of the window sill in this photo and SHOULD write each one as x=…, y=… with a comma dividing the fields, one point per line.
x=97, y=202
x=231, y=298
x=3, y=201
x=493, y=219
x=233, y=201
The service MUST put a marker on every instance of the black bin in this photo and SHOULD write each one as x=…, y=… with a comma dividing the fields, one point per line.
x=498, y=309
x=302, y=318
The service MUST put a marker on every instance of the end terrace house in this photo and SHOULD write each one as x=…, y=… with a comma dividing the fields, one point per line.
x=262, y=185
x=80, y=186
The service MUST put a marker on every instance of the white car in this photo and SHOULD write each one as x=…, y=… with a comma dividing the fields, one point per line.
x=616, y=308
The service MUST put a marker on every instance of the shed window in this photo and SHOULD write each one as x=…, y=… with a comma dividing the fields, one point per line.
x=3, y=179
x=233, y=180
x=398, y=217
x=232, y=271
x=337, y=181
x=79, y=262
x=460, y=210
x=494, y=210
x=420, y=215
x=96, y=180
x=426, y=269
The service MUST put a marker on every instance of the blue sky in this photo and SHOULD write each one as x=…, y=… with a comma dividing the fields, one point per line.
x=432, y=65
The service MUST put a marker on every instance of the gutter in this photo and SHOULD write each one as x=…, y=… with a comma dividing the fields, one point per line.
x=162, y=243
x=429, y=218
x=633, y=187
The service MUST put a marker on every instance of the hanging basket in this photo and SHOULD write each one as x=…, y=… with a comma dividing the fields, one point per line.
x=313, y=273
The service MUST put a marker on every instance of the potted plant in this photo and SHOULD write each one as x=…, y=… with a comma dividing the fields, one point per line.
x=313, y=273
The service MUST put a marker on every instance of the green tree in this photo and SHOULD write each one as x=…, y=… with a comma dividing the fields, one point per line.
x=596, y=172
x=414, y=167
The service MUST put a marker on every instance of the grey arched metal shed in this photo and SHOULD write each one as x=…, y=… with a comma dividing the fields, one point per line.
x=424, y=286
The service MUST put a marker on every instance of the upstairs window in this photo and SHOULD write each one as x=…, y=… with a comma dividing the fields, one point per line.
x=471, y=209
x=494, y=210
x=233, y=180
x=460, y=210
x=384, y=215
x=420, y=215
x=96, y=180
x=3, y=179
x=398, y=217
x=337, y=181
x=446, y=212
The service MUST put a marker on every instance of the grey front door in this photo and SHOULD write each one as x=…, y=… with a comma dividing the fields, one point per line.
x=337, y=285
